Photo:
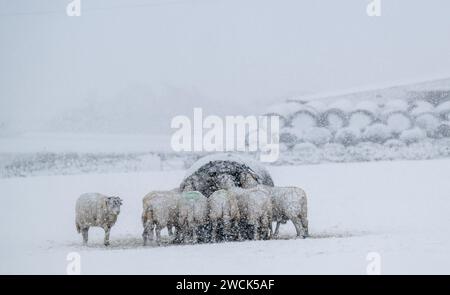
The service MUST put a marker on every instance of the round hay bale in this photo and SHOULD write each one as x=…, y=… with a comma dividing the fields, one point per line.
x=219, y=171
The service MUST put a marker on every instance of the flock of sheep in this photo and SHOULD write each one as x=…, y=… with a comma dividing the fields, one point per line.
x=231, y=213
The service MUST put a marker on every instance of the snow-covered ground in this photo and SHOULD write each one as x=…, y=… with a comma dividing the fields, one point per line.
x=398, y=209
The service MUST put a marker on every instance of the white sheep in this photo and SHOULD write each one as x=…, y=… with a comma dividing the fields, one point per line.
x=248, y=180
x=223, y=207
x=94, y=209
x=255, y=207
x=290, y=203
x=192, y=214
x=159, y=211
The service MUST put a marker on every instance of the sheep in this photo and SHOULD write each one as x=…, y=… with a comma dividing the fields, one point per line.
x=290, y=203
x=94, y=209
x=248, y=180
x=223, y=208
x=192, y=213
x=159, y=211
x=255, y=207
x=225, y=181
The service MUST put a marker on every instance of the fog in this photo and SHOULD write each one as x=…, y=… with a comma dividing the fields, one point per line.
x=131, y=58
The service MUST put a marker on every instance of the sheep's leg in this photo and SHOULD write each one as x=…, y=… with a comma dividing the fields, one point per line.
x=254, y=227
x=194, y=234
x=246, y=228
x=148, y=233
x=298, y=227
x=178, y=234
x=304, y=221
x=270, y=230
x=107, y=231
x=169, y=230
x=256, y=235
x=158, y=234
x=226, y=228
x=237, y=232
x=233, y=232
x=187, y=233
x=145, y=235
x=84, y=232
x=277, y=229
x=264, y=227
x=214, y=231
x=241, y=229
x=185, y=236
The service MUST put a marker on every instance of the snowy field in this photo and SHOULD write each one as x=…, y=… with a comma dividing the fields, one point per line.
x=398, y=209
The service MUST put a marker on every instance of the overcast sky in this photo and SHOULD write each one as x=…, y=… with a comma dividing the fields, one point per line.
x=224, y=55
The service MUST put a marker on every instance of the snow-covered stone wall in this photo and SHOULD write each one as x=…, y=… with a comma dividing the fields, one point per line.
x=352, y=122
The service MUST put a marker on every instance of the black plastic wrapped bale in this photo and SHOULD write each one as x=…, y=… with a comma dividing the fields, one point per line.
x=208, y=173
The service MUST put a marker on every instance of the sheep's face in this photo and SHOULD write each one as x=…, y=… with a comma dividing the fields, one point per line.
x=114, y=204
x=225, y=181
x=189, y=187
x=248, y=181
